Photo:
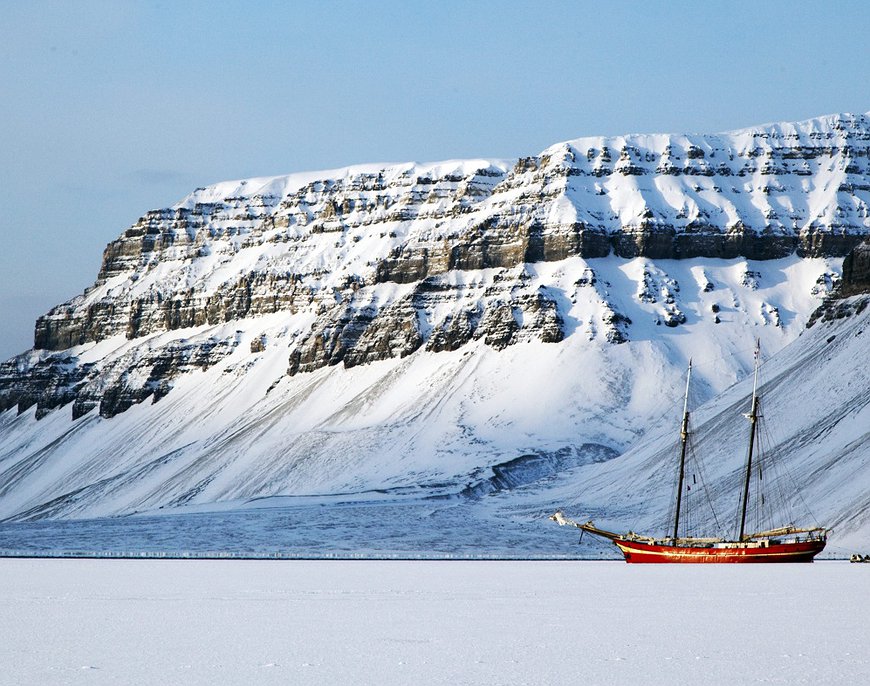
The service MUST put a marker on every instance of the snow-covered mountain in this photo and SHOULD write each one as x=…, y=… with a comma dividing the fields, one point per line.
x=460, y=327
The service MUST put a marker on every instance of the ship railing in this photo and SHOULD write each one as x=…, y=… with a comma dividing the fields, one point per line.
x=812, y=534
x=692, y=540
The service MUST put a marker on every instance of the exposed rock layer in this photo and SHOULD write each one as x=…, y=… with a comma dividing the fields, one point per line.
x=856, y=271
x=852, y=294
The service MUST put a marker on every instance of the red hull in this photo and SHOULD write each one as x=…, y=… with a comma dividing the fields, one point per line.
x=801, y=551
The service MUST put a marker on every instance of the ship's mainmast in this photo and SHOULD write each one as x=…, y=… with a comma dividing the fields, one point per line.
x=753, y=422
x=684, y=436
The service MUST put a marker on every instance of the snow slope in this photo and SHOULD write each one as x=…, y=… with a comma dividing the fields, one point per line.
x=434, y=421
x=816, y=409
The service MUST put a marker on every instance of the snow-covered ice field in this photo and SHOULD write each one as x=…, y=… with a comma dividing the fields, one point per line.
x=430, y=622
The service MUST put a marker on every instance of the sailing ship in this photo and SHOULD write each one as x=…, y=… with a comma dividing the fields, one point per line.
x=782, y=544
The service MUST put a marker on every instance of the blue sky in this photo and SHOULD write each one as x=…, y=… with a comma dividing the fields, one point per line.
x=113, y=108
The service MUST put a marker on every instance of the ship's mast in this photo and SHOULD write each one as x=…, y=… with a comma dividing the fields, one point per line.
x=753, y=421
x=684, y=435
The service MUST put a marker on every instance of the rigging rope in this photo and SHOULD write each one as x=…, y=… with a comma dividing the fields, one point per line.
x=703, y=477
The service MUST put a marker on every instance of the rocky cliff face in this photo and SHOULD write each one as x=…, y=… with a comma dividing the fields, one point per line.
x=369, y=263
x=856, y=271
x=852, y=294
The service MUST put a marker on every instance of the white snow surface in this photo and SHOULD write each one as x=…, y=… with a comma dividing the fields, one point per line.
x=459, y=623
